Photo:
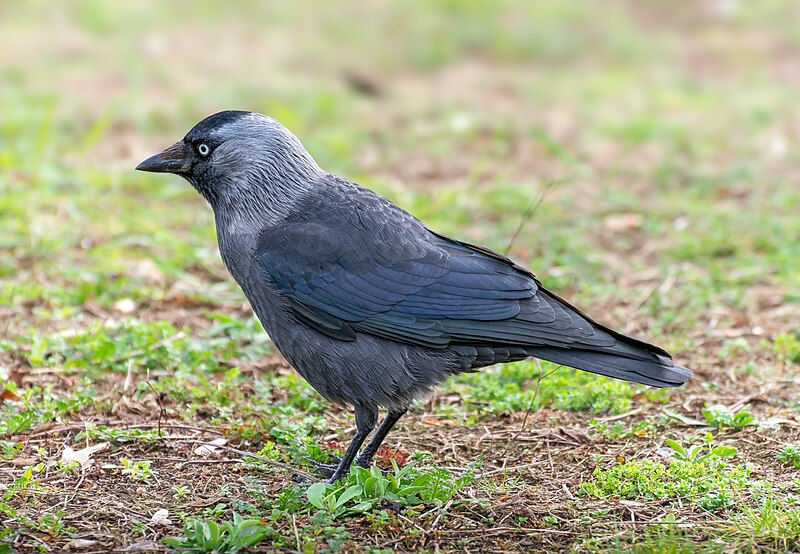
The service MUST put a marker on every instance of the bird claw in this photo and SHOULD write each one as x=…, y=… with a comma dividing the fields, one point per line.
x=325, y=470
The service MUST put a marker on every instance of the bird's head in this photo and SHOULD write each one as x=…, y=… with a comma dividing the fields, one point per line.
x=236, y=158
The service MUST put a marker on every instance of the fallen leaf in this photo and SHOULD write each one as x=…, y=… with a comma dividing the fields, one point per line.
x=22, y=462
x=437, y=421
x=161, y=517
x=77, y=544
x=618, y=223
x=125, y=306
x=686, y=419
x=15, y=374
x=83, y=456
x=8, y=396
x=210, y=448
x=142, y=545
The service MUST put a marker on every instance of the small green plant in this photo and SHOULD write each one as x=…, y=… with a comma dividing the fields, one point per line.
x=721, y=416
x=619, y=430
x=138, y=471
x=790, y=454
x=704, y=479
x=24, y=481
x=216, y=510
x=68, y=467
x=733, y=347
x=695, y=454
x=364, y=488
x=787, y=347
x=550, y=520
x=227, y=538
x=179, y=492
x=772, y=521
x=334, y=502
x=10, y=449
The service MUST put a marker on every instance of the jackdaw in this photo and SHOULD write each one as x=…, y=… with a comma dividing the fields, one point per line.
x=370, y=306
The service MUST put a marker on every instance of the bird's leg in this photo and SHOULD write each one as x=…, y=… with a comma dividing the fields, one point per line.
x=366, y=416
x=365, y=457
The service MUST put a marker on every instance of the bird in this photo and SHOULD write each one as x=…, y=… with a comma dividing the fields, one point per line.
x=370, y=306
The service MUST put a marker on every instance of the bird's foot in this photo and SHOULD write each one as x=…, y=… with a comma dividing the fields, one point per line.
x=325, y=470
x=322, y=470
x=332, y=472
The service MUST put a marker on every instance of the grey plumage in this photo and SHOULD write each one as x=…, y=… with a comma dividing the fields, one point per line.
x=372, y=308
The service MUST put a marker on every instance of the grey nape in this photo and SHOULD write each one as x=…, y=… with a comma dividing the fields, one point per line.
x=370, y=306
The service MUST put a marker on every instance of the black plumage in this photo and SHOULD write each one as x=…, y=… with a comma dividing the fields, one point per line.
x=369, y=305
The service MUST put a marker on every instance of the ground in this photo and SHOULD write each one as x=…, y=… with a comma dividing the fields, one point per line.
x=659, y=148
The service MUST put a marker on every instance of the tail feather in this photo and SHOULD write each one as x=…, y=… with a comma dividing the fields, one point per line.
x=658, y=371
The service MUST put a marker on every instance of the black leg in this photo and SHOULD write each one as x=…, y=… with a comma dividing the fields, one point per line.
x=365, y=423
x=365, y=457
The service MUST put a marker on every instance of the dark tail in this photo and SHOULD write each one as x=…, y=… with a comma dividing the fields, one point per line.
x=647, y=368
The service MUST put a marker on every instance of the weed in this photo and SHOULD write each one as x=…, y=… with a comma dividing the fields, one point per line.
x=25, y=481
x=216, y=510
x=138, y=471
x=789, y=454
x=695, y=454
x=38, y=405
x=619, y=430
x=720, y=416
x=364, y=488
x=787, y=347
x=228, y=538
x=702, y=479
x=179, y=492
x=771, y=522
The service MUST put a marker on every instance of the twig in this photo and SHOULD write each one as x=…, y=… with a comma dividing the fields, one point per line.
x=435, y=523
x=662, y=287
x=285, y=467
x=49, y=428
x=499, y=470
x=161, y=410
x=296, y=533
x=529, y=213
x=218, y=461
x=530, y=406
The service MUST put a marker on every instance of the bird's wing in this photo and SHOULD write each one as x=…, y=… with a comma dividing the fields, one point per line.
x=408, y=284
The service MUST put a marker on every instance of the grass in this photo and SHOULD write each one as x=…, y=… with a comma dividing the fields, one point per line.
x=662, y=146
x=705, y=480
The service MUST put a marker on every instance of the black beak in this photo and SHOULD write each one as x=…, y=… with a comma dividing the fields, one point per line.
x=175, y=159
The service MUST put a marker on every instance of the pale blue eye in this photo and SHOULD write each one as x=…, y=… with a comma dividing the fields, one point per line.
x=203, y=149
